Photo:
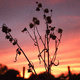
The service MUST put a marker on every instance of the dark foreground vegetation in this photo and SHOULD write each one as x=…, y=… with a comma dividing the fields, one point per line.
x=11, y=74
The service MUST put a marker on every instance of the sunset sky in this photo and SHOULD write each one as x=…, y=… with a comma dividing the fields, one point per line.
x=17, y=14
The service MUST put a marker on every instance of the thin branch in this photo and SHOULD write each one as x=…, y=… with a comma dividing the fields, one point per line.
x=40, y=37
x=36, y=40
x=56, y=48
x=30, y=36
x=44, y=62
x=16, y=57
x=44, y=51
x=23, y=54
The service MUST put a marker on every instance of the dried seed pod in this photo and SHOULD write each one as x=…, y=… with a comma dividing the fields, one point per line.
x=49, y=17
x=51, y=10
x=37, y=9
x=34, y=19
x=7, y=37
x=4, y=29
x=53, y=37
x=19, y=52
x=15, y=42
x=29, y=70
x=37, y=22
x=52, y=28
x=49, y=26
x=49, y=20
x=46, y=10
x=47, y=32
x=36, y=2
x=60, y=30
x=24, y=30
x=10, y=39
x=39, y=5
x=9, y=30
x=31, y=25
x=44, y=16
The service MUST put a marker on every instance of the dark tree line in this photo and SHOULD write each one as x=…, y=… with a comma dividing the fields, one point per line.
x=9, y=74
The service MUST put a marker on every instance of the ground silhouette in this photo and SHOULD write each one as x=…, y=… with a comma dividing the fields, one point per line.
x=12, y=74
x=46, y=76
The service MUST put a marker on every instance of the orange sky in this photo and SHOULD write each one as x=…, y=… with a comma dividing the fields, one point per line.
x=18, y=14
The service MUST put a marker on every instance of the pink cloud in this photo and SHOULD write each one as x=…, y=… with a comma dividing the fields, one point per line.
x=68, y=21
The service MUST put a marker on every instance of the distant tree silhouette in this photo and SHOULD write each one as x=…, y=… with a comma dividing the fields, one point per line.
x=11, y=74
x=73, y=76
x=3, y=69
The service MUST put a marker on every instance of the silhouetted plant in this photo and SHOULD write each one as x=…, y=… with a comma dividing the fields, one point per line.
x=7, y=31
x=49, y=35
